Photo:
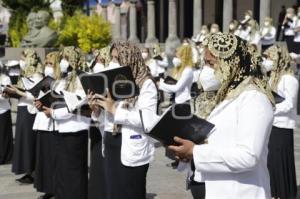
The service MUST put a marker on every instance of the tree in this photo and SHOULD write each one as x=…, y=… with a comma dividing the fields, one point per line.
x=86, y=32
x=70, y=6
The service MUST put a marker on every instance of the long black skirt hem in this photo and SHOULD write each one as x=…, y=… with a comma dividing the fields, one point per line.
x=25, y=143
x=281, y=163
x=6, y=138
x=44, y=169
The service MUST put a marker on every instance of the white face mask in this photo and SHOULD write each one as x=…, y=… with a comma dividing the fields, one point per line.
x=231, y=26
x=113, y=65
x=145, y=55
x=268, y=64
x=247, y=17
x=22, y=64
x=289, y=15
x=214, y=30
x=49, y=71
x=208, y=79
x=64, y=65
x=176, y=62
x=203, y=32
x=266, y=23
x=98, y=68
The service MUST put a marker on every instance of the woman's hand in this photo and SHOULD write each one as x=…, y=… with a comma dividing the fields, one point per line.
x=92, y=101
x=107, y=103
x=38, y=104
x=47, y=111
x=185, y=149
x=10, y=90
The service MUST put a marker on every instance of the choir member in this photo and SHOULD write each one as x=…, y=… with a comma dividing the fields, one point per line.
x=25, y=138
x=268, y=34
x=45, y=128
x=281, y=161
x=71, y=136
x=233, y=161
x=6, y=135
x=127, y=151
x=288, y=28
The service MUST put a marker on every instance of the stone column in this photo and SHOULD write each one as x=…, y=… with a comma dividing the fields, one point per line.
x=117, y=25
x=227, y=14
x=104, y=12
x=172, y=41
x=197, y=17
x=151, y=39
x=132, y=22
x=264, y=11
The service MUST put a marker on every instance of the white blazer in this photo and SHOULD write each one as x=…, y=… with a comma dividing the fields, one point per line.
x=286, y=111
x=137, y=149
x=233, y=164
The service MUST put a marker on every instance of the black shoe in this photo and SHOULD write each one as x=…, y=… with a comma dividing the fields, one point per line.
x=46, y=196
x=27, y=179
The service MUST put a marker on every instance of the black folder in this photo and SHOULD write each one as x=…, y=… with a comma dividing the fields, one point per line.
x=170, y=80
x=43, y=85
x=52, y=99
x=119, y=81
x=166, y=127
x=277, y=97
x=158, y=57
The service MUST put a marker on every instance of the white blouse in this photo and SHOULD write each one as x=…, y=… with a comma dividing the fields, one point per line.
x=157, y=67
x=4, y=102
x=269, y=37
x=68, y=122
x=233, y=164
x=182, y=88
x=286, y=111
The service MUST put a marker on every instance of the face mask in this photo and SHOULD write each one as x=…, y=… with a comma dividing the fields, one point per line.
x=98, y=68
x=214, y=30
x=298, y=14
x=289, y=15
x=64, y=65
x=22, y=64
x=185, y=44
x=176, y=62
x=49, y=71
x=203, y=32
x=266, y=23
x=247, y=17
x=231, y=26
x=208, y=79
x=268, y=64
x=113, y=65
x=145, y=55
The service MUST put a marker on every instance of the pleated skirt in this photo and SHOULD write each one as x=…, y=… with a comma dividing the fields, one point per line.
x=44, y=168
x=6, y=138
x=281, y=163
x=25, y=143
x=71, y=165
x=96, y=187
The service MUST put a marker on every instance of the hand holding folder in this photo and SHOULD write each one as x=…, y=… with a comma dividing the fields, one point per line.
x=164, y=128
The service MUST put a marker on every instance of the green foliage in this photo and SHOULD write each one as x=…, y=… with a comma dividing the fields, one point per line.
x=87, y=32
x=70, y=6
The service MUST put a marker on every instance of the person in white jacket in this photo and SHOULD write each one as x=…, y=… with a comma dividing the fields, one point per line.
x=267, y=33
x=233, y=162
x=6, y=134
x=44, y=128
x=281, y=162
x=71, y=136
x=127, y=151
x=25, y=138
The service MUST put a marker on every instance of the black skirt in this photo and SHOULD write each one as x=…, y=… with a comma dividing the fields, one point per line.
x=25, y=143
x=113, y=166
x=44, y=168
x=96, y=188
x=70, y=165
x=281, y=163
x=6, y=138
x=122, y=182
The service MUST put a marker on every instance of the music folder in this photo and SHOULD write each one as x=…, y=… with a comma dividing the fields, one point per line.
x=35, y=88
x=164, y=128
x=170, y=80
x=76, y=104
x=51, y=99
x=277, y=97
x=119, y=81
